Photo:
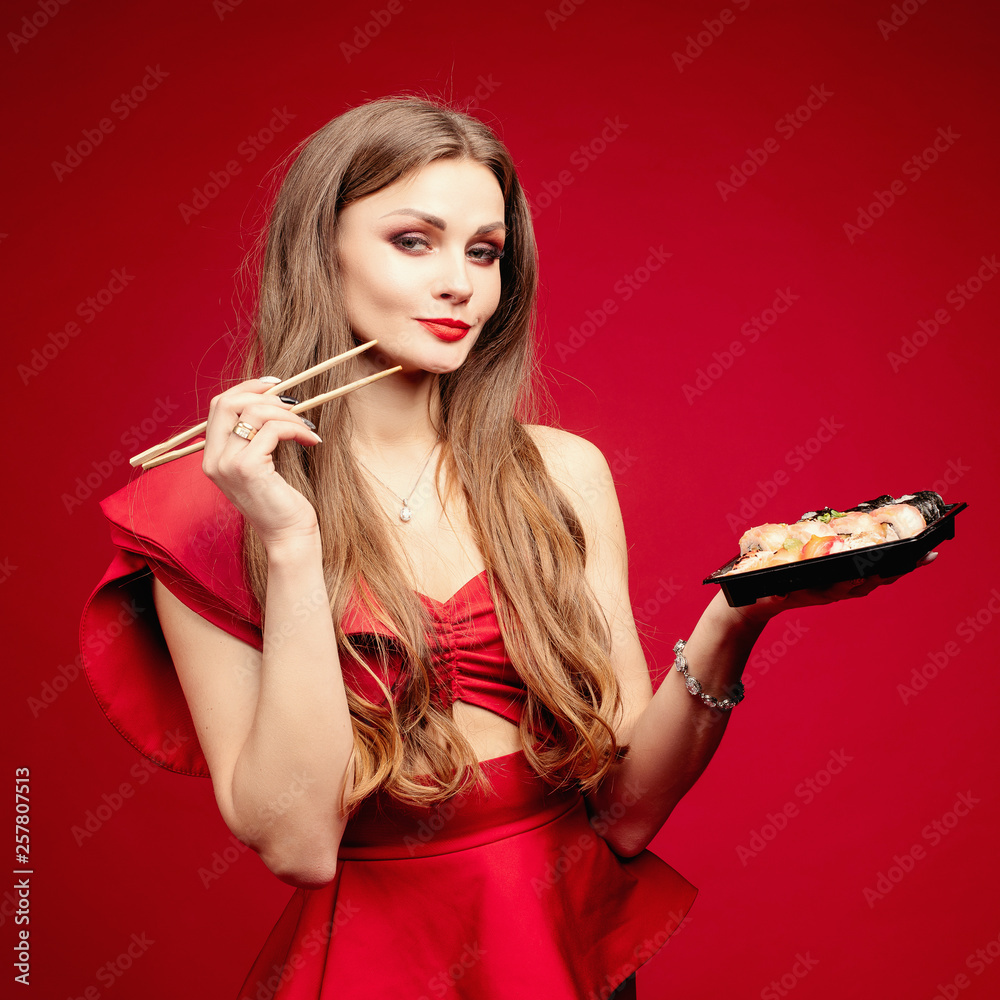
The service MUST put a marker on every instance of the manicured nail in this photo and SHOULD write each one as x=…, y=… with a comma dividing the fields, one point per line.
x=269, y=378
x=289, y=399
x=308, y=423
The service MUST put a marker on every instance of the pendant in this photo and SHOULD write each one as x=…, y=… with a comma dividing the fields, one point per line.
x=405, y=513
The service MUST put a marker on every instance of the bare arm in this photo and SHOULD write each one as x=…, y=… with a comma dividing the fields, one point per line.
x=274, y=725
x=672, y=735
x=675, y=735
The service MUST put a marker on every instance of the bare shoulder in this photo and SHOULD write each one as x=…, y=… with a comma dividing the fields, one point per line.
x=568, y=455
x=580, y=468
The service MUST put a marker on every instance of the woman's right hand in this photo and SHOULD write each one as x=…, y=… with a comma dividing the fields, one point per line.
x=244, y=470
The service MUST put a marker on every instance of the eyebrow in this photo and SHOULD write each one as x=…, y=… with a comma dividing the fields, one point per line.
x=439, y=223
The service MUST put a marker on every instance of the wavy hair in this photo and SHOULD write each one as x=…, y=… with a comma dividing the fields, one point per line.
x=528, y=533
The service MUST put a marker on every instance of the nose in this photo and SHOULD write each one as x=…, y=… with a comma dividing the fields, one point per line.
x=454, y=278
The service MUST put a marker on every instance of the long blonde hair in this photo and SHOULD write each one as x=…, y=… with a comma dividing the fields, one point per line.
x=531, y=539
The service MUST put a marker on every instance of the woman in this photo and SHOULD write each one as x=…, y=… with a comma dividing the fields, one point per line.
x=403, y=633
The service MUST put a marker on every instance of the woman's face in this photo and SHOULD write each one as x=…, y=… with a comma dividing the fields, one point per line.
x=424, y=248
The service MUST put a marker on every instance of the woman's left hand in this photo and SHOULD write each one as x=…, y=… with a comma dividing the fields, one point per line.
x=765, y=608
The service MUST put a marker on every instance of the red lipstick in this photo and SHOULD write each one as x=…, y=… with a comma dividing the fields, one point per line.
x=449, y=330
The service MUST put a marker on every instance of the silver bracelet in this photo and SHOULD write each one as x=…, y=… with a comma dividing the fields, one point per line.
x=694, y=686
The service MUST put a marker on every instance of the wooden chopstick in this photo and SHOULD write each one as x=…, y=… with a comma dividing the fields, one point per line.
x=306, y=404
x=277, y=389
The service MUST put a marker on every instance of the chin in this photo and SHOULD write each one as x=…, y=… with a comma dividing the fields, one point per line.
x=442, y=367
x=431, y=358
x=441, y=362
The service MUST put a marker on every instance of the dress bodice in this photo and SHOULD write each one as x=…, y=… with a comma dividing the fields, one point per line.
x=470, y=661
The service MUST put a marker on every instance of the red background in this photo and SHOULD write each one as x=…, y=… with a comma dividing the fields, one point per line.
x=686, y=463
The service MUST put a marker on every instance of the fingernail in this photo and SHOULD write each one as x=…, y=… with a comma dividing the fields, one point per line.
x=269, y=378
x=289, y=399
x=308, y=423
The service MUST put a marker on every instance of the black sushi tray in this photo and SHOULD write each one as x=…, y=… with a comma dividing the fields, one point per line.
x=887, y=559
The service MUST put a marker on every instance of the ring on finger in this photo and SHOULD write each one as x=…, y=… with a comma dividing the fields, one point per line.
x=245, y=430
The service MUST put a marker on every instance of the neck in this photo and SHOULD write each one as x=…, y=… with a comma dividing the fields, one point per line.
x=394, y=415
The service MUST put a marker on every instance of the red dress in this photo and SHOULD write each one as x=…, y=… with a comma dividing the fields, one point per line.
x=502, y=896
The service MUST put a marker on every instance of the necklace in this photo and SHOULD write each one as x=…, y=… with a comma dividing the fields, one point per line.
x=404, y=512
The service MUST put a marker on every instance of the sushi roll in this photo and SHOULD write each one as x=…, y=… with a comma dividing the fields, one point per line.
x=853, y=521
x=869, y=505
x=859, y=529
x=784, y=556
x=763, y=538
x=760, y=559
x=823, y=514
x=901, y=520
x=929, y=503
x=773, y=537
x=820, y=545
x=751, y=561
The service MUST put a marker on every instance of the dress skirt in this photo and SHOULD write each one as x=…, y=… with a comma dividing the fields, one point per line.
x=484, y=897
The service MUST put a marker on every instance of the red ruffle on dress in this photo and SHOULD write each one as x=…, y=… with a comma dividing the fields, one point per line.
x=502, y=896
